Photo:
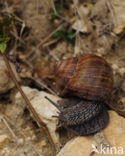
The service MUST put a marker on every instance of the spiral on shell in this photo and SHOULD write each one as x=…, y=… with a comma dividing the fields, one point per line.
x=88, y=76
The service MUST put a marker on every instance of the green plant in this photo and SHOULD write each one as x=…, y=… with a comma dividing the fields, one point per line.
x=54, y=15
x=68, y=36
x=5, y=25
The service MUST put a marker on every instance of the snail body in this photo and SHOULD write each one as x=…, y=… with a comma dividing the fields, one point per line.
x=89, y=79
x=94, y=125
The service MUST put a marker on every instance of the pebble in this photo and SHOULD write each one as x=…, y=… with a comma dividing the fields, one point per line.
x=6, y=82
x=4, y=140
x=43, y=108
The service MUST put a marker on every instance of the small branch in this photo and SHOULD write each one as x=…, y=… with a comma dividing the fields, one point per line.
x=42, y=84
x=81, y=14
x=7, y=125
x=53, y=5
x=51, y=42
x=109, y=5
x=42, y=125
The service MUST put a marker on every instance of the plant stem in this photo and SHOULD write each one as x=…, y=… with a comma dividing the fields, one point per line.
x=41, y=124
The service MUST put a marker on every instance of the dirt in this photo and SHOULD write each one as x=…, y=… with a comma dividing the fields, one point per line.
x=32, y=42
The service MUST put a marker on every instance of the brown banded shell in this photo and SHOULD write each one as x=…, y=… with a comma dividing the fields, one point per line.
x=64, y=72
x=88, y=76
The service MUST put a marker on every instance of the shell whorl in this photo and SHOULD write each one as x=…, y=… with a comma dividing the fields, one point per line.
x=64, y=72
x=88, y=76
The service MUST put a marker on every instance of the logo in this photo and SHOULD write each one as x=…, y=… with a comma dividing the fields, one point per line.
x=108, y=150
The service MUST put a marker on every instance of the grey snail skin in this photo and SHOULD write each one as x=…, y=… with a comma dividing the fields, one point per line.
x=87, y=83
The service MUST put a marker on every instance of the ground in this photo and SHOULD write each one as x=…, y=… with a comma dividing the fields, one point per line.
x=43, y=32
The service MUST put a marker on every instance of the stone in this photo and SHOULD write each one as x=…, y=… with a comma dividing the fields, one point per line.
x=16, y=111
x=43, y=143
x=43, y=108
x=80, y=26
x=123, y=86
x=20, y=141
x=4, y=140
x=78, y=146
x=42, y=24
x=6, y=82
x=119, y=15
x=5, y=151
x=115, y=68
x=120, y=106
x=46, y=110
x=122, y=100
x=122, y=71
x=113, y=133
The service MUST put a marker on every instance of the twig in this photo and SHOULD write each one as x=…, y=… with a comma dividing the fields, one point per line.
x=109, y=5
x=48, y=37
x=43, y=41
x=7, y=125
x=51, y=42
x=37, y=7
x=44, y=85
x=13, y=124
x=39, y=82
x=53, y=6
x=38, y=153
x=22, y=133
x=80, y=11
x=53, y=55
x=77, y=45
x=22, y=29
x=42, y=125
x=17, y=37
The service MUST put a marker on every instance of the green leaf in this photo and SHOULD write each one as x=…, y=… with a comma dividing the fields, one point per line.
x=68, y=36
x=60, y=1
x=53, y=16
x=3, y=47
x=3, y=38
x=59, y=33
x=5, y=24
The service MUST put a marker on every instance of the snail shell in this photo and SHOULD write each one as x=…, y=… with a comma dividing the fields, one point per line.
x=88, y=76
x=89, y=79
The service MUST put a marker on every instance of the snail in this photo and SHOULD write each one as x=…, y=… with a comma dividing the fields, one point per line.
x=87, y=81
